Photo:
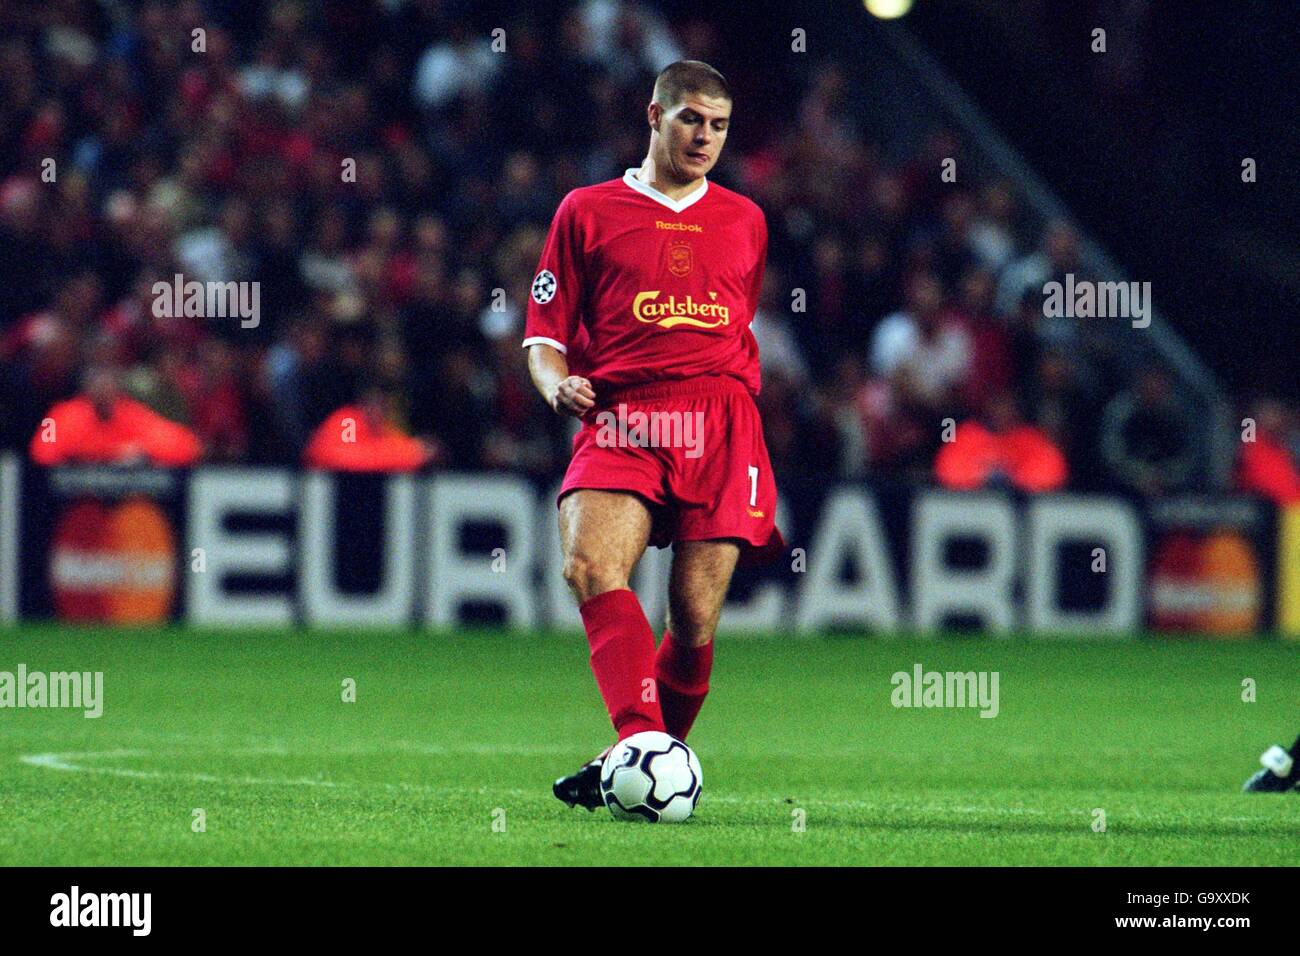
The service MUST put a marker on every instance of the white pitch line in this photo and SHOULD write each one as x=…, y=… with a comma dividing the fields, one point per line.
x=64, y=762
x=74, y=762
x=263, y=745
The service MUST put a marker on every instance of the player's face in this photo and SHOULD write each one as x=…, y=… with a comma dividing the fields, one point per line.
x=693, y=133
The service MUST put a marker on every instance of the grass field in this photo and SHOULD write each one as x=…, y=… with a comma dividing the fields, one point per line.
x=450, y=733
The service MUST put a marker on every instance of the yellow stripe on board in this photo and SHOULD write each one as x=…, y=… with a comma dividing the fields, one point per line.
x=1288, y=573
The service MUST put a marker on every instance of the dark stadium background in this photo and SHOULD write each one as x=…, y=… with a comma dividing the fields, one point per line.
x=165, y=163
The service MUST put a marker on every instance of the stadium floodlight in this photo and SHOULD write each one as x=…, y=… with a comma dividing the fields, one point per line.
x=887, y=9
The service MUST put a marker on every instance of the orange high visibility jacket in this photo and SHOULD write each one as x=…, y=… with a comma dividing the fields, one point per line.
x=1024, y=454
x=346, y=442
x=72, y=432
x=1266, y=468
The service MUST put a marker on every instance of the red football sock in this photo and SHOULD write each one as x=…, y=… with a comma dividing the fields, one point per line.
x=682, y=673
x=623, y=660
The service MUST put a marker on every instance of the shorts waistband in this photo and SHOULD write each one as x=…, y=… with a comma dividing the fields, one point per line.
x=683, y=388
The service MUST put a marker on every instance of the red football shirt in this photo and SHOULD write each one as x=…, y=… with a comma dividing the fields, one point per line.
x=635, y=287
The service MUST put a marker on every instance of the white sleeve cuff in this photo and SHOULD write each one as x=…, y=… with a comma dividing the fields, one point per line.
x=543, y=340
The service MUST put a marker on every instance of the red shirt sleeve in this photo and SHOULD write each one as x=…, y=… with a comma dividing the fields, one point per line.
x=555, y=300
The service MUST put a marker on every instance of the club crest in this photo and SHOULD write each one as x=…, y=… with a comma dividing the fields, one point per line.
x=679, y=258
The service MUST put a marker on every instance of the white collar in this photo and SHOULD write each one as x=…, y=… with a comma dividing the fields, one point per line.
x=676, y=205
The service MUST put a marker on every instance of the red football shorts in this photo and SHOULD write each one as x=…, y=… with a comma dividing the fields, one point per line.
x=694, y=451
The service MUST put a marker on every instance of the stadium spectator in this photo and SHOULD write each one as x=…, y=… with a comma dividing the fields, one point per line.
x=362, y=437
x=525, y=435
x=776, y=340
x=20, y=416
x=923, y=348
x=214, y=397
x=837, y=422
x=953, y=251
x=1266, y=466
x=24, y=254
x=1057, y=402
x=920, y=359
x=873, y=285
x=459, y=406
x=899, y=437
x=461, y=64
x=289, y=364
x=1057, y=255
x=990, y=352
x=992, y=234
x=626, y=37
x=824, y=327
x=1146, y=440
x=104, y=426
x=1001, y=451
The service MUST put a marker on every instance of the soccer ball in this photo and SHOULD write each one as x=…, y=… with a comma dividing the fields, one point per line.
x=651, y=776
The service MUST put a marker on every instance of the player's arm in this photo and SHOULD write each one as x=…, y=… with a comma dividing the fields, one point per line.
x=552, y=321
x=565, y=393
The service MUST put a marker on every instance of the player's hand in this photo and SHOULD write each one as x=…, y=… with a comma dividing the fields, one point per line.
x=573, y=396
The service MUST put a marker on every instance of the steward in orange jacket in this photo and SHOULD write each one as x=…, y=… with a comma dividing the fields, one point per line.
x=360, y=437
x=1006, y=452
x=103, y=426
x=1266, y=466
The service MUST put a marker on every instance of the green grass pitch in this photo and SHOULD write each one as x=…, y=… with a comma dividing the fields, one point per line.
x=453, y=733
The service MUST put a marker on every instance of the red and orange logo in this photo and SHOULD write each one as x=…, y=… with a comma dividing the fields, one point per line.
x=113, y=563
x=1206, y=582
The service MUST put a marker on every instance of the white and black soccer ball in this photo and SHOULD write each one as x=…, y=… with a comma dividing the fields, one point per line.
x=651, y=776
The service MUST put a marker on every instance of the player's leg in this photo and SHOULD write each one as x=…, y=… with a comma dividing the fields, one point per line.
x=1281, y=771
x=701, y=573
x=603, y=534
x=727, y=514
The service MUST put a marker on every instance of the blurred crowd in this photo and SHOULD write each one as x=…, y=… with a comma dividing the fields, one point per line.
x=386, y=172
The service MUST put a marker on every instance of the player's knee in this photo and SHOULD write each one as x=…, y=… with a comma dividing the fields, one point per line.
x=588, y=577
x=694, y=637
x=692, y=629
